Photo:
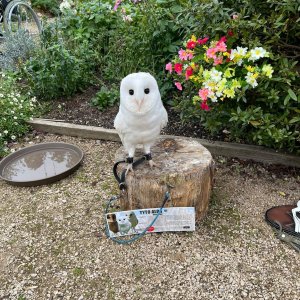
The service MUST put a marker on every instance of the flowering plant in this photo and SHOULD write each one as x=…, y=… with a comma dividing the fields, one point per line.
x=15, y=109
x=217, y=70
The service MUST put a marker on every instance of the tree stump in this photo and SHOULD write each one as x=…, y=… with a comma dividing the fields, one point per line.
x=182, y=163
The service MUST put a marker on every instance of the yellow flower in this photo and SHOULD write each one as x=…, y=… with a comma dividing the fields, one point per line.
x=235, y=84
x=229, y=93
x=229, y=73
x=193, y=66
x=193, y=38
x=226, y=54
x=267, y=70
x=249, y=68
x=255, y=75
x=210, y=85
x=221, y=84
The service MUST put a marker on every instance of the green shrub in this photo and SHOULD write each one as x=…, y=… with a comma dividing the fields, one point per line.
x=51, y=6
x=106, y=98
x=15, y=109
x=57, y=70
x=136, y=37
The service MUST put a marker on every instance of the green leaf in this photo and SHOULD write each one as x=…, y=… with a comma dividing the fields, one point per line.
x=292, y=94
x=286, y=100
x=294, y=120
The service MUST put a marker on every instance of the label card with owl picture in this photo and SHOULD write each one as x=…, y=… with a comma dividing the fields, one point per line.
x=136, y=221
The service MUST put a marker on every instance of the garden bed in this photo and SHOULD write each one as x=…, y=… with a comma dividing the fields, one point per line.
x=78, y=110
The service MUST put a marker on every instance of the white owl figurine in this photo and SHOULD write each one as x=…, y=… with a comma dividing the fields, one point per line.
x=141, y=114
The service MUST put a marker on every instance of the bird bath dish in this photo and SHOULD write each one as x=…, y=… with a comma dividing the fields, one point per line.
x=40, y=164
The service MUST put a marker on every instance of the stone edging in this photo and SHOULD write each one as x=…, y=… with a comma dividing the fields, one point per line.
x=242, y=151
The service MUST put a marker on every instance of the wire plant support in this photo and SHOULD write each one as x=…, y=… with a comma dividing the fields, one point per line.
x=18, y=15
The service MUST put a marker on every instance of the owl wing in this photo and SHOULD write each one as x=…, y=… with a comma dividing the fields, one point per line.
x=164, y=119
x=120, y=126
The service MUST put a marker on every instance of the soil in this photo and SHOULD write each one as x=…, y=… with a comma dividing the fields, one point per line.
x=78, y=110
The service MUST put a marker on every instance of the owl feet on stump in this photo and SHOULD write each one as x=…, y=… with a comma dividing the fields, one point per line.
x=151, y=162
x=129, y=168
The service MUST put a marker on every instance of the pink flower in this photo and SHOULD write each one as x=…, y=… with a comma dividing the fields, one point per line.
x=203, y=93
x=234, y=17
x=218, y=61
x=221, y=46
x=211, y=52
x=182, y=54
x=117, y=3
x=188, y=73
x=185, y=55
x=203, y=41
x=178, y=68
x=190, y=54
x=178, y=85
x=191, y=44
x=169, y=67
x=223, y=39
x=204, y=106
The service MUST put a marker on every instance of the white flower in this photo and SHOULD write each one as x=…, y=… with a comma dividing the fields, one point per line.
x=238, y=54
x=251, y=79
x=12, y=150
x=0, y=134
x=241, y=51
x=1, y=96
x=258, y=53
x=215, y=75
x=65, y=5
x=5, y=132
x=15, y=117
x=212, y=97
x=127, y=18
x=13, y=137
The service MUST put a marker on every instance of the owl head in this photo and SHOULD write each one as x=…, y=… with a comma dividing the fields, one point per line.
x=139, y=92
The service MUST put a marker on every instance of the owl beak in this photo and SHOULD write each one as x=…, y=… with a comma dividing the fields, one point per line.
x=139, y=103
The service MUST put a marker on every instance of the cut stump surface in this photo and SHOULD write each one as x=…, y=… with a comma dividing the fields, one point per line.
x=184, y=164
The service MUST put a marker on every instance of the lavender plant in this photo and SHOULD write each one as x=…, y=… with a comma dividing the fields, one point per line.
x=16, y=49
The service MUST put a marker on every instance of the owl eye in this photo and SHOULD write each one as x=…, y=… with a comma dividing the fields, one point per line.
x=131, y=92
x=147, y=91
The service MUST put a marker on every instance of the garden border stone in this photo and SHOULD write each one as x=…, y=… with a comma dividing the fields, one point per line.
x=241, y=151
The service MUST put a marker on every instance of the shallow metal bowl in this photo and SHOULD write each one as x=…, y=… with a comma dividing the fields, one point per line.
x=40, y=164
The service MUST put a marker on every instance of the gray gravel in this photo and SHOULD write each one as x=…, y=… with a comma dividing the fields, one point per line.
x=50, y=246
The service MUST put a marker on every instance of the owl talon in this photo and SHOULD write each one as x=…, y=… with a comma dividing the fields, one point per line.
x=129, y=168
x=152, y=164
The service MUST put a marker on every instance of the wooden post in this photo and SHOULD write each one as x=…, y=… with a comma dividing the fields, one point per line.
x=184, y=164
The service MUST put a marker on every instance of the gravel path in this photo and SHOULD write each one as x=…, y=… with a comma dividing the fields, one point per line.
x=50, y=246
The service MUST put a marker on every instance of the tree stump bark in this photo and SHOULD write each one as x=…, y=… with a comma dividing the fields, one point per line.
x=182, y=163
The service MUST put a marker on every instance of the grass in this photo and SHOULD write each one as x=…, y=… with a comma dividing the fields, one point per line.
x=78, y=272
